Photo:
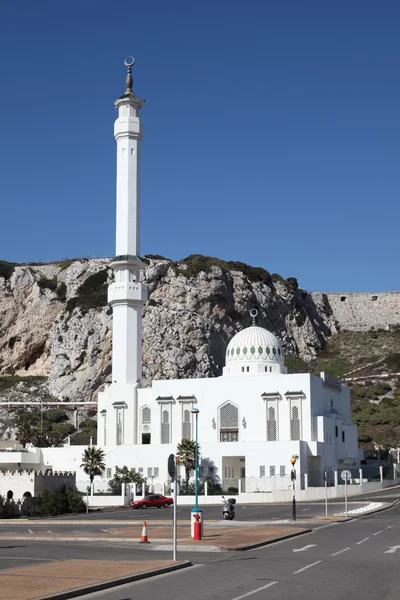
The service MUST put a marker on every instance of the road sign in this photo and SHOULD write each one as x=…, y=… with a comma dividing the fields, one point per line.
x=346, y=475
x=171, y=466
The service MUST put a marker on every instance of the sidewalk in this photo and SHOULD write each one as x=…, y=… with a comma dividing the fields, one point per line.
x=60, y=580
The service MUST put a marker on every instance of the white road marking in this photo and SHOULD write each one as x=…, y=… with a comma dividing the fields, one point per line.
x=340, y=551
x=307, y=567
x=304, y=509
x=48, y=531
x=392, y=550
x=378, y=532
x=362, y=541
x=305, y=548
x=264, y=587
x=106, y=530
x=30, y=530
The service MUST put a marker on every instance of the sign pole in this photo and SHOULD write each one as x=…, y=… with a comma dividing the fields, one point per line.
x=326, y=494
x=345, y=494
x=175, y=517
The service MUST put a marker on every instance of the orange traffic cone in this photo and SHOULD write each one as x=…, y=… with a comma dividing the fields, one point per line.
x=143, y=539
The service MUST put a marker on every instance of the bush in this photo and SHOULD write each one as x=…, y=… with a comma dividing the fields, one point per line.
x=64, y=501
x=47, y=284
x=92, y=293
x=6, y=269
x=292, y=282
x=61, y=292
x=8, y=509
x=393, y=362
x=197, y=263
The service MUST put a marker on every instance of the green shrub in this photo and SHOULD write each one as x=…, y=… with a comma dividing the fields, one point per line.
x=6, y=269
x=393, y=362
x=92, y=293
x=295, y=364
x=8, y=381
x=64, y=501
x=49, y=284
x=156, y=257
x=300, y=316
x=65, y=263
x=8, y=509
x=197, y=263
x=292, y=281
x=277, y=277
x=61, y=292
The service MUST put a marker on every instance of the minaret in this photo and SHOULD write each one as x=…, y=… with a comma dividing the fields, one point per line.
x=127, y=295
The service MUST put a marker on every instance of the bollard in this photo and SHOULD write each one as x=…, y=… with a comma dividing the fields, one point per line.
x=197, y=527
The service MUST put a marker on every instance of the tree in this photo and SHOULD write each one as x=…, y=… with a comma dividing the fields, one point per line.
x=186, y=454
x=87, y=430
x=43, y=429
x=125, y=475
x=93, y=462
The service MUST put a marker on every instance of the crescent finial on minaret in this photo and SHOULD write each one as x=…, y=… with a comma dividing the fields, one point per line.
x=129, y=62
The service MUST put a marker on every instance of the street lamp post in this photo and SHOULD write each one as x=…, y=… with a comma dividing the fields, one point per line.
x=293, y=478
x=196, y=411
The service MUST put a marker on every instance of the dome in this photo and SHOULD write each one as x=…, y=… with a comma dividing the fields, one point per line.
x=254, y=344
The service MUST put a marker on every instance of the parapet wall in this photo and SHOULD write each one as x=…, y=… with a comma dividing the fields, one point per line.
x=363, y=311
x=34, y=482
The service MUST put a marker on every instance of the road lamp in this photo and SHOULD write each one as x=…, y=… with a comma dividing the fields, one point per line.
x=195, y=411
x=293, y=478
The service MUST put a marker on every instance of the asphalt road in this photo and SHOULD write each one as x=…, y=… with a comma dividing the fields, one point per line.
x=357, y=559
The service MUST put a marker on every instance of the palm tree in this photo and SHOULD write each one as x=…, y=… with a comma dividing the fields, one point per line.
x=186, y=453
x=93, y=462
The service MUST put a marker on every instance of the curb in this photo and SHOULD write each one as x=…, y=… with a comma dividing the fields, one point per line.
x=105, y=585
x=267, y=542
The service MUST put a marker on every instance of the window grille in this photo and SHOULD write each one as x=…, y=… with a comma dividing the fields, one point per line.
x=120, y=427
x=262, y=471
x=295, y=422
x=149, y=472
x=272, y=471
x=156, y=472
x=146, y=415
x=282, y=470
x=272, y=429
x=165, y=427
x=105, y=428
x=109, y=473
x=229, y=423
x=186, y=425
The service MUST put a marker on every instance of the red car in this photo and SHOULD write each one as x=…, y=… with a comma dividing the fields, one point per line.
x=152, y=501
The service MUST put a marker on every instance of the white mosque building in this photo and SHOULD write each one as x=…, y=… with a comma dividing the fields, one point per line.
x=251, y=420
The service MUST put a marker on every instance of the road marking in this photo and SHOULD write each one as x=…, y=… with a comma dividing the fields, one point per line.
x=392, y=550
x=106, y=530
x=260, y=589
x=378, y=532
x=30, y=530
x=304, y=509
x=340, y=551
x=307, y=567
x=362, y=541
x=48, y=531
x=305, y=548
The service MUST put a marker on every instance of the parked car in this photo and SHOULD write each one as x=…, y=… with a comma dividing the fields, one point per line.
x=152, y=501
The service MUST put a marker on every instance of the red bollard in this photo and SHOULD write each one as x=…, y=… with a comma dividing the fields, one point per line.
x=197, y=528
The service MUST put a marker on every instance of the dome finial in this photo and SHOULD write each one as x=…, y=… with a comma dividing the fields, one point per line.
x=253, y=314
x=129, y=62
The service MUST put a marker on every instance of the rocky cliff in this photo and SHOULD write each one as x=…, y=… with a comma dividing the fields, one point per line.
x=55, y=323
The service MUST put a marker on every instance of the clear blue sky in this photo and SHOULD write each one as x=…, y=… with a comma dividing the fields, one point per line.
x=272, y=132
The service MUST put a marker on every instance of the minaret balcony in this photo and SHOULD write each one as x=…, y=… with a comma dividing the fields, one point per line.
x=129, y=292
x=128, y=126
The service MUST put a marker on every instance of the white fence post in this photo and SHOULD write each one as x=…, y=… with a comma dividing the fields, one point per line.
x=305, y=481
x=394, y=471
x=123, y=487
x=360, y=474
x=206, y=488
x=381, y=473
x=239, y=486
x=336, y=479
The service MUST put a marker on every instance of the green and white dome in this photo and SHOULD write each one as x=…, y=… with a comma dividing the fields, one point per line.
x=254, y=344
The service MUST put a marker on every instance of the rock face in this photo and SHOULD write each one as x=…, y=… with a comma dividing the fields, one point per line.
x=54, y=320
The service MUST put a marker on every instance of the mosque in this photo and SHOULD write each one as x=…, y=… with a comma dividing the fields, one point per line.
x=251, y=420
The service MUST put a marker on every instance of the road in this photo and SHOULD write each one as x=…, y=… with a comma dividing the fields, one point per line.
x=357, y=559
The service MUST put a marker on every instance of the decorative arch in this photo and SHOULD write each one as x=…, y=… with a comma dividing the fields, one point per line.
x=228, y=418
x=145, y=415
x=145, y=424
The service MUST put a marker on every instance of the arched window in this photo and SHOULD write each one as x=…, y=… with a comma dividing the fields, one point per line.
x=165, y=427
x=271, y=424
x=146, y=415
x=145, y=424
x=229, y=423
x=186, y=425
x=295, y=423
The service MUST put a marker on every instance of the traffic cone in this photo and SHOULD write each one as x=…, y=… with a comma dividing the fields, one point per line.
x=143, y=539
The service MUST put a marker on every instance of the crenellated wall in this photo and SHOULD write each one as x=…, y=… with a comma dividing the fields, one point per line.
x=34, y=482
